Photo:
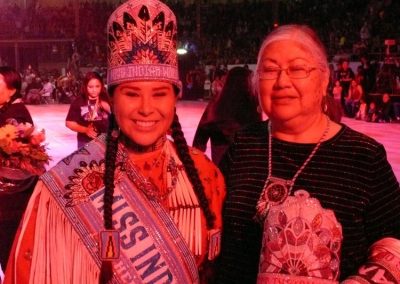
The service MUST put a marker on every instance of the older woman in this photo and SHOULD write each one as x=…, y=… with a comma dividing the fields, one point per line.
x=11, y=105
x=321, y=192
x=134, y=206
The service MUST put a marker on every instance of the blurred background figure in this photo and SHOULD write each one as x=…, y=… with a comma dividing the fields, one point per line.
x=32, y=91
x=372, y=112
x=385, y=110
x=11, y=105
x=47, y=91
x=226, y=113
x=88, y=114
x=352, y=101
x=362, y=110
x=218, y=83
x=16, y=183
x=345, y=76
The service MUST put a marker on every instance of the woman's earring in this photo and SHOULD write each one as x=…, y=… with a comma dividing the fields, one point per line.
x=115, y=133
x=324, y=104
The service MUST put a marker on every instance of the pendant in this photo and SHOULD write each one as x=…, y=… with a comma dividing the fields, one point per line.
x=109, y=245
x=275, y=191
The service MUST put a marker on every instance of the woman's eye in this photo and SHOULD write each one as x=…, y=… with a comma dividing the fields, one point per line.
x=270, y=69
x=131, y=94
x=159, y=94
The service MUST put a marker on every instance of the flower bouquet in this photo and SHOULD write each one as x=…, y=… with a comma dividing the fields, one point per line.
x=22, y=159
x=22, y=147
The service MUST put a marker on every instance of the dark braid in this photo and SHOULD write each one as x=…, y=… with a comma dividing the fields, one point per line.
x=106, y=273
x=111, y=156
x=193, y=174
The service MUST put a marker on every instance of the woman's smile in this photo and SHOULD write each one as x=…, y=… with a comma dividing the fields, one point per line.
x=146, y=124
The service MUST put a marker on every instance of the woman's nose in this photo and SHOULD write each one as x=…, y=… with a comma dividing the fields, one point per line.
x=146, y=106
x=283, y=79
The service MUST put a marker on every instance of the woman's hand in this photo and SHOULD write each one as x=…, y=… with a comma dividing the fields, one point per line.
x=91, y=131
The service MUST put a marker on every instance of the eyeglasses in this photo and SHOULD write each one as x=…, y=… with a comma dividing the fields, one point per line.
x=293, y=72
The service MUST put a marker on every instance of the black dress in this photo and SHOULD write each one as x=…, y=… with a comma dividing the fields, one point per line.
x=349, y=175
x=17, y=111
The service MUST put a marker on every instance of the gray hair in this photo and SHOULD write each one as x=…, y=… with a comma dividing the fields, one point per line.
x=302, y=34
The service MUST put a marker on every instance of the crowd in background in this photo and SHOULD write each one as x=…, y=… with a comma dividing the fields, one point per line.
x=228, y=34
x=367, y=93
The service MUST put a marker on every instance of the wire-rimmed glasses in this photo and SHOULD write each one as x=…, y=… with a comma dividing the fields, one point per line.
x=293, y=72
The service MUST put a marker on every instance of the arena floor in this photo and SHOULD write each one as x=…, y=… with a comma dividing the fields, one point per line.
x=62, y=141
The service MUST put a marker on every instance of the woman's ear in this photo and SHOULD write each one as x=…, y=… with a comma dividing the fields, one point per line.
x=112, y=104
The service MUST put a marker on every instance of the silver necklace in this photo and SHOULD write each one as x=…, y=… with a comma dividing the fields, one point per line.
x=276, y=190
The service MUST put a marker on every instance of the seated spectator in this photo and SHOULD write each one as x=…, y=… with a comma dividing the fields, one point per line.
x=47, y=91
x=362, y=110
x=385, y=110
x=32, y=92
x=372, y=114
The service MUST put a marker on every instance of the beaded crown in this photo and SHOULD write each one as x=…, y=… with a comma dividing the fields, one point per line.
x=142, y=43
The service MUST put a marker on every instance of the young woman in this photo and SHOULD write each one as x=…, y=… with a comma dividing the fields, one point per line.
x=88, y=114
x=137, y=205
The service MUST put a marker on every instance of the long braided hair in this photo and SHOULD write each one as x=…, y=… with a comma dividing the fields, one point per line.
x=106, y=270
x=193, y=174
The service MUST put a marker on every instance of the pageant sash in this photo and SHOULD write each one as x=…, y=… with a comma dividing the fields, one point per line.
x=152, y=248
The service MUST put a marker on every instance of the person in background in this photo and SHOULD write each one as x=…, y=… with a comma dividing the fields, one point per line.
x=385, y=109
x=234, y=108
x=337, y=94
x=136, y=205
x=396, y=110
x=362, y=110
x=32, y=91
x=345, y=76
x=11, y=105
x=47, y=91
x=353, y=98
x=372, y=112
x=306, y=196
x=88, y=114
x=368, y=71
x=12, y=204
x=218, y=83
